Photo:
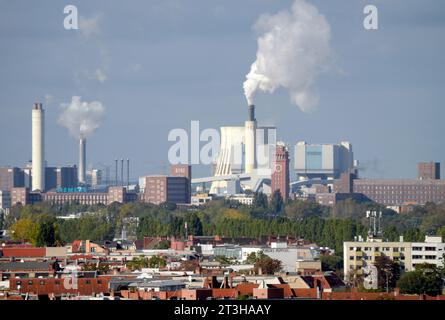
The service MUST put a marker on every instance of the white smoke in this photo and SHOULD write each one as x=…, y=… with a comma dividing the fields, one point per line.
x=81, y=118
x=293, y=49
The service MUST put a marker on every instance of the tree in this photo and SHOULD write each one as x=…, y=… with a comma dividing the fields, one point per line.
x=157, y=262
x=425, y=279
x=277, y=203
x=46, y=236
x=263, y=263
x=268, y=266
x=260, y=200
x=388, y=272
x=331, y=263
x=25, y=229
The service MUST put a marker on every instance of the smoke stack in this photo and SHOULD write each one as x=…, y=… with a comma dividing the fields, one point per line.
x=122, y=172
x=250, y=141
x=115, y=181
x=128, y=172
x=82, y=160
x=38, y=147
x=251, y=112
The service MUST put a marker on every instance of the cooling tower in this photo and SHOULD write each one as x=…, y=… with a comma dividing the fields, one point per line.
x=82, y=160
x=250, y=143
x=38, y=147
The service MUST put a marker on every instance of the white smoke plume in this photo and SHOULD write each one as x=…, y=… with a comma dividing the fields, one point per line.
x=81, y=118
x=293, y=49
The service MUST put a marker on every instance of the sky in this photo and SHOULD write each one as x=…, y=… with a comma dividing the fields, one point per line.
x=157, y=65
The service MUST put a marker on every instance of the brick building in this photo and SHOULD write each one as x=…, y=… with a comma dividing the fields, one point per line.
x=280, y=176
x=11, y=177
x=160, y=189
x=428, y=170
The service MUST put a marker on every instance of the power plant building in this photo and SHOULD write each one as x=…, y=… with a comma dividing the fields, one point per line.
x=322, y=161
x=244, y=150
x=60, y=177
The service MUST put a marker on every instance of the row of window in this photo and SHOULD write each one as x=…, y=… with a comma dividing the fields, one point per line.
x=57, y=282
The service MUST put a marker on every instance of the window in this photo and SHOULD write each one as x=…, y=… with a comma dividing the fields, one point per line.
x=18, y=283
x=88, y=282
x=30, y=282
x=99, y=281
x=42, y=282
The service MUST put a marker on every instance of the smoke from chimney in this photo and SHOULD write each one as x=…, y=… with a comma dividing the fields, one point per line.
x=81, y=119
x=293, y=49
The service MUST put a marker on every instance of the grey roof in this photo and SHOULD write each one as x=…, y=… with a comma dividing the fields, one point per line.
x=28, y=266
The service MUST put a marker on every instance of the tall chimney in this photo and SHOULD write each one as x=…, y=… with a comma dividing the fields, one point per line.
x=122, y=172
x=250, y=141
x=82, y=160
x=115, y=181
x=38, y=147
x=128, y=172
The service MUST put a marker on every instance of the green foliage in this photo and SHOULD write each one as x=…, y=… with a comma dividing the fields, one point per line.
x=331, y=263
x=425, y=279
x=388, y=272
x=259, y=200
x=144, y=262
x=163, y=245
x=301, y=209
x=276, y=203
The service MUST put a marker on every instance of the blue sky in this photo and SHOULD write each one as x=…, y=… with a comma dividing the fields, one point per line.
x=165, y=63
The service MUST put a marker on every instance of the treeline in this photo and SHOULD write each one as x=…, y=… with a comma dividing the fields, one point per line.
x=323, y=225
x=324, y=232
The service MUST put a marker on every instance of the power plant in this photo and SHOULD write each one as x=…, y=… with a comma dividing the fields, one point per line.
x=38, y=147
x=82, y=160
x=245, y=157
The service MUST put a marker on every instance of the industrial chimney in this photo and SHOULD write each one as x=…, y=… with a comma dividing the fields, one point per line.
x=250, y=141
x=38, y=147
x=82, y=160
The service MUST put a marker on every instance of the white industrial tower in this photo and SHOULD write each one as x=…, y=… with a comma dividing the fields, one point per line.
x=38, y=147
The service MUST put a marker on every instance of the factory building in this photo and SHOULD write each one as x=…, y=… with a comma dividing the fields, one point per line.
x=38, y=147
x=244, y=150
x=11, y=177
x=114, y=194
x=280, y=176
x=398, y=192
x=428, y=170
x=161, y=188
x=183, y=170
x=61, y=177
x=322, y=161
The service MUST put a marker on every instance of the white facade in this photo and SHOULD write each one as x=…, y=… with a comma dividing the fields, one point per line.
x=38, y=147
x=431, y=251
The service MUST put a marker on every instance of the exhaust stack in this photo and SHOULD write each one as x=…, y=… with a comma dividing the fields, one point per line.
x=82, y=160
x=38, y=147
x=250, y=142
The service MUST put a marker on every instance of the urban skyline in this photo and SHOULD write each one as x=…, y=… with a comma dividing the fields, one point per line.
x=380, y=54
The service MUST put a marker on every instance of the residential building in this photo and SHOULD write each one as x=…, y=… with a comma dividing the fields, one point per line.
x=359, y=254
